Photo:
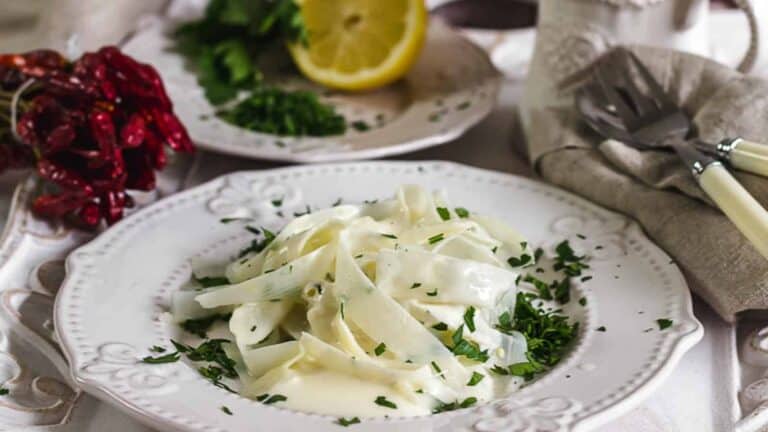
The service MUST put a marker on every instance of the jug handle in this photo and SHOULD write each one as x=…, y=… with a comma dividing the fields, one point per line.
x=758, y=41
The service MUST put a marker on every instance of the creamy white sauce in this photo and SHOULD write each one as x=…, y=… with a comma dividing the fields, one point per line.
x=396, y=277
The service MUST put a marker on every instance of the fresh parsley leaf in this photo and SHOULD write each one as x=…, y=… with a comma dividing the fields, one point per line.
x=210, y=281
x=521, y=261
x=436, y=238
x=274, y=399
x=200, y=326
x=360, y=126
x=347, y=422
x=383, y=401
x=168, y=358
x=441, y=326
x=469, y=318
x=563, y=290
x=380, y=349
x=466, y=403
x=567, y=260
x=444, y=213
x=527, y=370
x=664, y=323
x=475, y=379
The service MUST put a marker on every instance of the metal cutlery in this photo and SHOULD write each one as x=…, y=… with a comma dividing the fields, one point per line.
x=635, y=109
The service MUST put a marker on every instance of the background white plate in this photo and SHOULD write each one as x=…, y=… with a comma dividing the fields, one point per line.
x=452, y=86
x=108, y=312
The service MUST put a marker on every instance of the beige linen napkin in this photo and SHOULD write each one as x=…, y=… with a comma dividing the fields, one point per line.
x=656, y=190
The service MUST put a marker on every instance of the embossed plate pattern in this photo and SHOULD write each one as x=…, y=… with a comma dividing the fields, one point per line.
x=111, y=307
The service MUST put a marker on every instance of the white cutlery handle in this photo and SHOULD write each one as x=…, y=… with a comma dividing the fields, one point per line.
x=740, y=207
x=746, y=155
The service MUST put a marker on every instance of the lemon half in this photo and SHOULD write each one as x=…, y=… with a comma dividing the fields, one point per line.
x=360, y=44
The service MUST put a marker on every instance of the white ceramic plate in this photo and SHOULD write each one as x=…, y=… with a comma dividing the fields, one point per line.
x=110, y=309
x=452, y=86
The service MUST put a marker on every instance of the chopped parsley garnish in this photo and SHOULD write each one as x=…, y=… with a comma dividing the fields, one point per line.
x=526, y=370
x=226, y=410
x=259, y=245
x=461, y=212
x=469, y=318
x=494, y=249
x=443, y=407
x=583, y=301
x=563, y=290
x=233, y=219
x=337, y=202
x=360, y=126
x=436, y=368
x=432, y=293
x=542, y=287
x=548, y=334
x=664, y=323
x=210, y=281
x=498, y=370
x=220, y=365
x=157, y=349
x=468, y=349
x=600, y=329
x=4, y=391
x=519, y=262
x=341, y=310
x=581, y=236
x=347, y=422
x=567, y=260
x=436, y=238
x=380, y=349
x=253, y=230
x=268, y=399
x=475, y=379
x=200, y=326
x=586, y=278
x=464, y=105
x=390, y=236
x=307, y=210
x=415, y=285
x=537, y=254
x=383, y=401
x=277, y=202
x=444, y=213
x=168, y=358
x=441, y=326
x=329, y=277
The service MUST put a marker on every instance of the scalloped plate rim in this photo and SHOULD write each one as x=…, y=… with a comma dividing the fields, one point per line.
x=683, y=340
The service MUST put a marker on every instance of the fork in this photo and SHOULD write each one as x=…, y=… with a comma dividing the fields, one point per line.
x=645, y=117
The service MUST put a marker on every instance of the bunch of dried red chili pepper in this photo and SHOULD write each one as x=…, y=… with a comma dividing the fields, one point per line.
x=94, y=128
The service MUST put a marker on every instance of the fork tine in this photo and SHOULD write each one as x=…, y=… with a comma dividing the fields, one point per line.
x=644, y=104
x=591, y=111
x=625, y=112
x=657, y=92
x=591, y=96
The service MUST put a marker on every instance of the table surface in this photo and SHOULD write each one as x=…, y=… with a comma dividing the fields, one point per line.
x=701, y=395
